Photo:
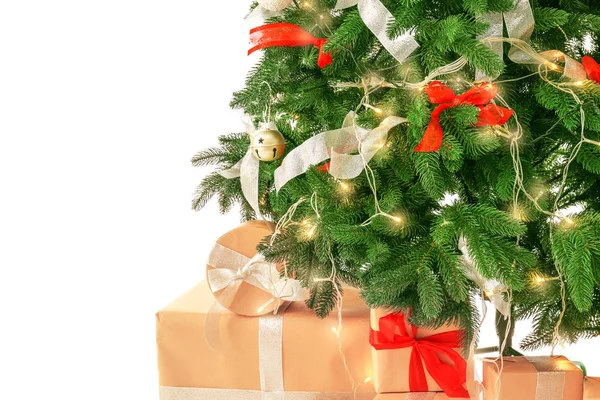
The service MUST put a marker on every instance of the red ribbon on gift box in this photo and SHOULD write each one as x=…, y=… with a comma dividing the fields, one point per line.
x=290, y=35
x=479, y=96
x=393, y=334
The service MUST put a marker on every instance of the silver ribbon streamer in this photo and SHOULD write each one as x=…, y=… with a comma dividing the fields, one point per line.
x=248, y=167
x=519, y=25
x=187, y=393
x=377, y=18
x=493, y=288
x=336, y=145
x=550, y=380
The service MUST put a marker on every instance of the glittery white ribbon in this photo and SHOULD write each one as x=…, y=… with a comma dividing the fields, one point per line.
x=248, y=167
x=232, y=268
x=519, y=25
x=550, y=378
x=377, y=18
x=492, y=287
x=337, y=146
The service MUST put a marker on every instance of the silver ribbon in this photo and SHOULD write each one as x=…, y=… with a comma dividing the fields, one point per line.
x=232, y=268
x=188, y=393
x=248, y=167
x=550, y=379
x=268, y=8
x=336, y=145
x=493, y=288
x=519, y=25
x=377, y=18
x=270, y=353
x=421, y=396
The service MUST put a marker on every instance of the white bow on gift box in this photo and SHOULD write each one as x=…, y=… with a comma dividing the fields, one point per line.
x=232, y=268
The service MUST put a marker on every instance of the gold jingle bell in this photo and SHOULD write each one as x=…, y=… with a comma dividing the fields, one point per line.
x=267, y=143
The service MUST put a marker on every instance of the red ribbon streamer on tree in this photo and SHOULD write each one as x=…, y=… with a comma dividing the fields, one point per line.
x=393, y=334
x=591, y=68
x=479, y=96
x=284, y=34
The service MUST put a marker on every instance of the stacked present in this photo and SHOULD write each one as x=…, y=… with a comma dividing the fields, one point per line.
x=242, y=335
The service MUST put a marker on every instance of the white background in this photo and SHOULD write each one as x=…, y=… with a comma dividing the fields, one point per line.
x=102, y=104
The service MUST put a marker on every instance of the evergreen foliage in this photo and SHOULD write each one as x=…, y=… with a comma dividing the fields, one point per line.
x=414, y=261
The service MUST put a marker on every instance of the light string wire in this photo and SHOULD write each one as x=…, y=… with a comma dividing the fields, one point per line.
x=375, y=83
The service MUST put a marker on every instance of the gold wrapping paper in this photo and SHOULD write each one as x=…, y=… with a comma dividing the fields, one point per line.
x=391, y=367
x=244, y=239
x=311, y=358
x=591, y=388
x=533, y=378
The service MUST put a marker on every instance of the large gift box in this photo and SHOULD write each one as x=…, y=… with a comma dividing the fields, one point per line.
x=591, y=389
x=532, y=378
x=410, y=359
x=293, y=350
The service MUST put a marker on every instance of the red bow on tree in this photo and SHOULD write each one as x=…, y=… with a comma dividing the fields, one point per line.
x=284, y=34
x=393, y=334
x=592, y=68
x=479, y=96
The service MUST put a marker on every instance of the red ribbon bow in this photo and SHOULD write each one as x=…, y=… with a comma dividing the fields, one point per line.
x=479, y=96
x=393, y=334
x=284, y=34
x=591, y=68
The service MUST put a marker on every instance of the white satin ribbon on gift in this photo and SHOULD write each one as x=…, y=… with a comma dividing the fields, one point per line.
x=519, y=25
x=230, y=270
x=377, y=18
x=336, y=145
x=248, y=167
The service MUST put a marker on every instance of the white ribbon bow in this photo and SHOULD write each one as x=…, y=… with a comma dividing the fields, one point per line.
x=377, y=18
x=248, y=167
x=493, y=288
x=519, y=25
x=336, y=145
x=229, y=275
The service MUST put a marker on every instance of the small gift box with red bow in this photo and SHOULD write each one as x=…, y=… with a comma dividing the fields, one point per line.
x=410, y=359
x=539, y=377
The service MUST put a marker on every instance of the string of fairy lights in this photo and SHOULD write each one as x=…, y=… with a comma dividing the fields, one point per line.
x=370, y=82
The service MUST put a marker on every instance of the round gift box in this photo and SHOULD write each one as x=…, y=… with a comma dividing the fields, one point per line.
x=249, y=300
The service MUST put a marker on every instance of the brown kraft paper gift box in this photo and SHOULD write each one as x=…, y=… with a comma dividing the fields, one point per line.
x=311, y=358
x=391, y=367
x=533, y=378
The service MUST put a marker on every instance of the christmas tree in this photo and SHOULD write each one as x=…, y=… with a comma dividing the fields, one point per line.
x=435, y=151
